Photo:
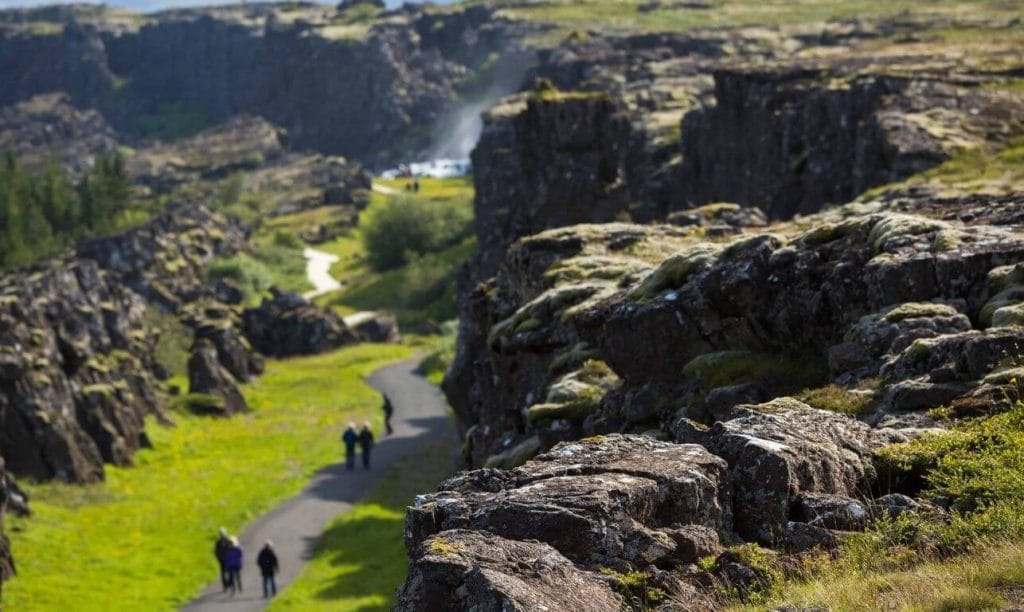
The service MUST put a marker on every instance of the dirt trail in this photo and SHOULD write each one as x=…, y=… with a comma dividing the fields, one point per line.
x=294, y=526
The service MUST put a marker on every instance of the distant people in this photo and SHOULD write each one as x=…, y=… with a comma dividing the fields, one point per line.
x=365, y=444
x=415, y=185
x=220, y=550
x=267, y=560
x=350, y=437
x=389, y=410
x=233, y=561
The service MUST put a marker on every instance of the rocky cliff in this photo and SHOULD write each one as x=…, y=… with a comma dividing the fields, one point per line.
x=676, y=392
x=338, y=83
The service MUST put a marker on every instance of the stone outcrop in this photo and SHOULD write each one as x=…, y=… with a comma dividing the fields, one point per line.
x=207, y=375
x=165, y=259
x=461, y=569
x=11, y=499
x=374, y=327
x=597, y=501
x=566, y=296
x=286, y=324
x=47, y=128
x=77, y=376
x=782, y=453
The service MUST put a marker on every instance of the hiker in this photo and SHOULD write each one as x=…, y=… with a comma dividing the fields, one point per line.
x=220, y=550
x=267, y=560
x=350, y=438
x=389, y=410
x=233, y=561
x=366, y=443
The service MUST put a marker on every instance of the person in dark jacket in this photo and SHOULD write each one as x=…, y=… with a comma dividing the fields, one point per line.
x=350, y=437
x=233, y=561
x=365, y=444
x=267, y=560
x=389, y=410
x=220, y=550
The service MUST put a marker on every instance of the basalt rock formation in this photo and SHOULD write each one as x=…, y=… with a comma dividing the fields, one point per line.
x=286, y=324
x=77, y=372
x=813, y=234
x=339, y=85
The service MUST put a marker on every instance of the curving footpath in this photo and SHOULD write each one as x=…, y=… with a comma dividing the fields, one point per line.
x=294, y=526
x=318, y=270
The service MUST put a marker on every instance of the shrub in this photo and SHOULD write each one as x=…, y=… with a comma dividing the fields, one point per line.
x=404, y=227
x=286, y=239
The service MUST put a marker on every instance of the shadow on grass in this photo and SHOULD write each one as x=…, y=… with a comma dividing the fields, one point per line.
x=367, y=555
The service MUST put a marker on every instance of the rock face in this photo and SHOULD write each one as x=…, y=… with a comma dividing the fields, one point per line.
x=368, y=85
x=165, y=259
x=794, y=138
x=286, y=325
x=591, y=334
x=780, y=450
x=12, y=499
x=77, y=372
x=48, y=128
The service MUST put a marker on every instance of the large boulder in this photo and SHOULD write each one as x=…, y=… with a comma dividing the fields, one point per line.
x=286, y=324
x=374, y=326
x=459, y=570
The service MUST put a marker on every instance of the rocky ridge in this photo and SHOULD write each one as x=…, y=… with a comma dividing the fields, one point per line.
x=783, y=337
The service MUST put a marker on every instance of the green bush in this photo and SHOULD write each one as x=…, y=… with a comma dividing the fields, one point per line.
x=286, y=239
x=406, y=227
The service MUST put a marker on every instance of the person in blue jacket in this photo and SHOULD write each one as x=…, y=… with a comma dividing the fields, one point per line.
x=233, y=562
x=350, y=437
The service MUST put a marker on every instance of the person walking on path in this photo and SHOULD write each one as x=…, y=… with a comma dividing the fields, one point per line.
x=365, y=444
x=220, y=550
x=267, y=560
x=389, y=409
x=233, y=561
x=350, y=438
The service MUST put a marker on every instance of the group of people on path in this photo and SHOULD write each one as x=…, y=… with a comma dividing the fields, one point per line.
x=364, y=437
x=228, y=550
x=229, y=556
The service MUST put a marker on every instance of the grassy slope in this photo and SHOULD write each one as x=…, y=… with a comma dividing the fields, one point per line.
x=418, y=293
x=360, y=560
x=143, y=538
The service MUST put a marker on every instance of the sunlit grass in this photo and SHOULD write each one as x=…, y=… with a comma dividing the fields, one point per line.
x=142, y=539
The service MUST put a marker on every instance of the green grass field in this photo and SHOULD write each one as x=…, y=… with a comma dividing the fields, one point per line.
x=142, y=539
x=360, y=560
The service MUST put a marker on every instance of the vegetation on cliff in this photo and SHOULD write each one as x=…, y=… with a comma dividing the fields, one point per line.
x=40, y=214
